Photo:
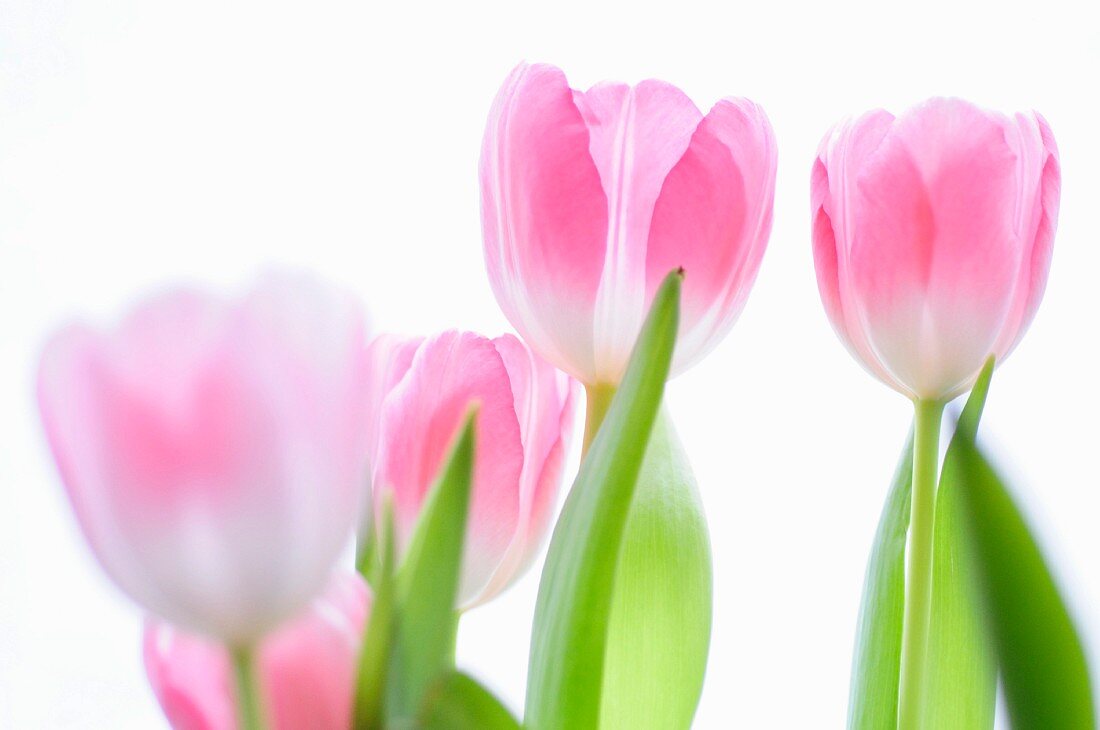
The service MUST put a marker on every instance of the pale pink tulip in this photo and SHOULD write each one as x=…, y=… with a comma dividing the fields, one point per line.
x=588, y=199
x=525, y=413
x=212, y=448
x=306, y=669
x=932, y=238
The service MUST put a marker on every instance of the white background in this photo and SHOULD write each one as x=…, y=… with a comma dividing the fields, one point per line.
x=144, y=142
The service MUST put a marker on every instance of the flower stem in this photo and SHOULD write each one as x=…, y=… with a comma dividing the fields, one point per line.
x=249, y=706
x=918, y=569
x=599, y=400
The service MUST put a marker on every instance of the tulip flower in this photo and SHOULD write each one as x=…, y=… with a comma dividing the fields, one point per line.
x=589, y=199
x=932, y=239
x=307, y=668
x=424, y=389
x=212, y=449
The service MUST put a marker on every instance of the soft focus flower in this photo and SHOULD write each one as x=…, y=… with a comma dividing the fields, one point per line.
x=424, y=389
x=306, y=668
x=212, y=449
x=932, y=238
x=588, y=199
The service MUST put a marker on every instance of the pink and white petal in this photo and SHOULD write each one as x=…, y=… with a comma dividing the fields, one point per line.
x=1050, y=200
x=549, y=482
x=135, y=459
x=637, y=134
x=932, y=249
x=842, y=153
x=301, y=346
x=190, y=678
x=269, y=444
x=326, y=422
x=309, y=668
x=202, y=432
x=713, y=219
x=1040, y=184
x=544, y=401
x=67, y=382
x=323, y=333
x=450, y=373
x=306, y=667
x=826, y=265
x=544, y=215
x=389, y=358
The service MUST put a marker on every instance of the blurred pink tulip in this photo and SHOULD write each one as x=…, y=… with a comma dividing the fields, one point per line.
x=212, y=449
x=588, y=199
x=306, y=668
x=932, y=238
x=423, y=389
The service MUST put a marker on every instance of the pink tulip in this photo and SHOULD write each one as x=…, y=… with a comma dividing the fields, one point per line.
x=306, y=668
x=588, y=199
x=524, y=420
x=932, y=238
x=212, y=449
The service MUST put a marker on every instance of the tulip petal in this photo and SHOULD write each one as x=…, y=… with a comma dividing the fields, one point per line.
x=933, y=253
x=544, y=215
x=421, y=416
x=191, y=679
x=544, y=401
x=310, y=669
x=1039, y=180
x=826, y=263
x=840, y=156
x=638, y=134
x=306, y=668
x=577, y=242
x=713, y=219
x=389, y=358
x=212, y=449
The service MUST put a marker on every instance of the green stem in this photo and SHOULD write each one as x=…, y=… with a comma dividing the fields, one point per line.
x=599, y=400
x=249, y=706
x=918, y=570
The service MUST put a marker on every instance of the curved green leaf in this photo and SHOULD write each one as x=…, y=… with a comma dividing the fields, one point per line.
x=569, y=637
x=659, y=630
x=374, y=656
x=427, y=584
x=961, y=689
x=873, y=695
x=457, y=702
x=1043, y=668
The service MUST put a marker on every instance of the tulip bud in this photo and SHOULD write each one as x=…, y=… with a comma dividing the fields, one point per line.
x=588, y=199
x=212, y=449
x=932, y=239
x=307, y=668
x=424, y=389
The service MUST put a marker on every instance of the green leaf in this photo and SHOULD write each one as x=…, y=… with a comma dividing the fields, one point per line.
x=570, y=633
x=659, y=631
x=367, y=556
x=427, y=584
x=961, y=690
x=374, y=657
x=1043, y=667
x=873, y=696
x=457, y=702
